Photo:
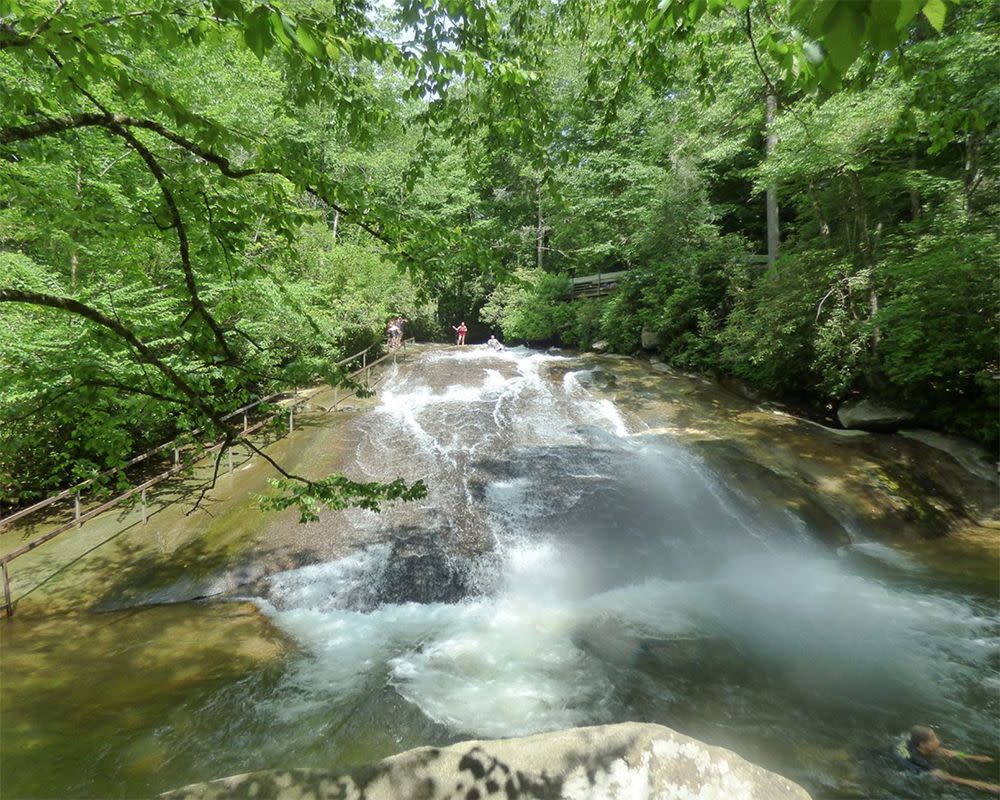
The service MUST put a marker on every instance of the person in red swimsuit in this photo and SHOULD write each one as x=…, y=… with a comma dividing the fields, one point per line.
x=461, y=330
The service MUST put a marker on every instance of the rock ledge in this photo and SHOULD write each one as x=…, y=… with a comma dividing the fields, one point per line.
x=607, y=762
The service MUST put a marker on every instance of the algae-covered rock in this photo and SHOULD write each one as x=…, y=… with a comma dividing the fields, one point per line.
x=606, y=762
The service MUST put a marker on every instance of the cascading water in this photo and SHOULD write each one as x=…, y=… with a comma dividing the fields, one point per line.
x=569, y=566
x=564, y=571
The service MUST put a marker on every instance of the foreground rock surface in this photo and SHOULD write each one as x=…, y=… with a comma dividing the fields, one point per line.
x=630, y=760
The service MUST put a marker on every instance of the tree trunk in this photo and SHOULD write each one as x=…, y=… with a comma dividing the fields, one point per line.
x=336, y=224
x=773, y=232
x=914, y=192
x=973, y=172
x=867, y=248
x=824, y=226
x=74, y=260
x=540, y=230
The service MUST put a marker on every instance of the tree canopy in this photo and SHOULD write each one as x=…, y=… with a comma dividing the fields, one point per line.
x=204, y=202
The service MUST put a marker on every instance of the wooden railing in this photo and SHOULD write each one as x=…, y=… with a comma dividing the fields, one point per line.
x=603, y=283
x=179, y=465
x=595, y=285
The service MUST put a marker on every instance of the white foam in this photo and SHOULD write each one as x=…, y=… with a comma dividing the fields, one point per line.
x=890, y=556
x=534, y=656
x=539, y=649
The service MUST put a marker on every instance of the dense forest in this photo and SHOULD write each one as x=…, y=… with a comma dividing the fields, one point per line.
x=202, y=202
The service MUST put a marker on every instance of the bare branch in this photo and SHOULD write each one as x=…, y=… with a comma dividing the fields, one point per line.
x=145, y=353
x=56, y=125
x=273, y=463
x=182, y=237
x=207, y=487
x=756, y=57
x=48, y=20
x=148, y=392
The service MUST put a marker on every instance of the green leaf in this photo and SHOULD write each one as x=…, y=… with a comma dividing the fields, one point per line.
x=257, y=33
x=307, y=42
x=882, y=31
x=227, y=9
x=695, y=9
x=811, y=15
x=935, y=11
x=844, y=32
x=907, y=11
x=813, y=52
x=278, y=28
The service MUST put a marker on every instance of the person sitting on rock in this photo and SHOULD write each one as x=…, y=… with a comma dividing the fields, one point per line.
x=917, y=750
x=494, y=344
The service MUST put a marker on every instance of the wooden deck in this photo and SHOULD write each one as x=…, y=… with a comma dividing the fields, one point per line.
x=595, y=285
x=604, y=283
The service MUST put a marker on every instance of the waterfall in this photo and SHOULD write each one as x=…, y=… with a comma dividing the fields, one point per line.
x=564, y=571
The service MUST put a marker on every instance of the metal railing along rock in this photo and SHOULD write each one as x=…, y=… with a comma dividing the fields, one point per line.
x=179, y=465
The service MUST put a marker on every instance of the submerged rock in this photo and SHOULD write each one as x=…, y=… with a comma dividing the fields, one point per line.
x=605, y=762
x=600, y=346
x=868, y=415
x=421, y=570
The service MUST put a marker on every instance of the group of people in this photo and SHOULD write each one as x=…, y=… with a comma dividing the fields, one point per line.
x=460, y=330
x=395, y=332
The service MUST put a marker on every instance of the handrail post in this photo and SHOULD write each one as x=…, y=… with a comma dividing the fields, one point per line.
x=76, y=509
x=364, y=359
x=291, y=420
x=6, y=590
x=244, y=422
x=177, y=457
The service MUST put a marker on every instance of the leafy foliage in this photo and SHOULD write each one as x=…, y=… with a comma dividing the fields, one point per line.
x=889, y=215
x=337, y=492
x=205, y=202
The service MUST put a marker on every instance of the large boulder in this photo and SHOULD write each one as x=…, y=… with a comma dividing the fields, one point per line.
x=630, y=760
x=867, y=415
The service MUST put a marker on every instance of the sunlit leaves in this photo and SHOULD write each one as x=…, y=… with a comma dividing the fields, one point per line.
x=336, y=493
x=935, y=11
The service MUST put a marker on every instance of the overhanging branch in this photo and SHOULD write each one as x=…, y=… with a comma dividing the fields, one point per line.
x=182, y=237
x=56, y=125
x=146, y=354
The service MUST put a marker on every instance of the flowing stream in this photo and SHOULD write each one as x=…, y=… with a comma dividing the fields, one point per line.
x=566, y=569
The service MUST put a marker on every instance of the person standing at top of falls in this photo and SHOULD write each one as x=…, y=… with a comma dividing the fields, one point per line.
x=395, y=333
x=917, y=750
x=461, y=330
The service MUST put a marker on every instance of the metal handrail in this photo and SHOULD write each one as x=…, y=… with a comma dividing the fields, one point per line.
x=65, y=493
x=79, y=519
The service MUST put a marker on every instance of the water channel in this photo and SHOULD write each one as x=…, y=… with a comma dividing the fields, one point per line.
x=567, y=568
